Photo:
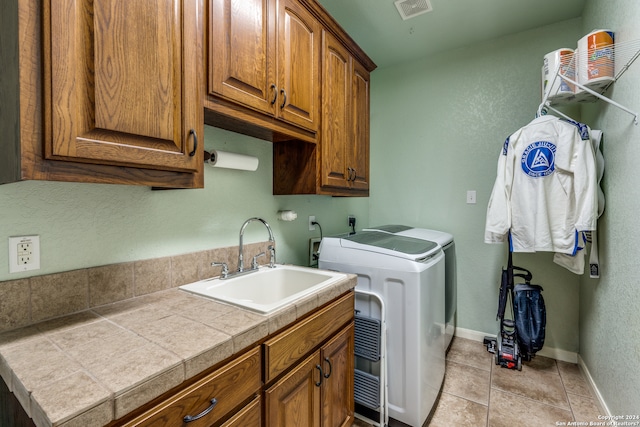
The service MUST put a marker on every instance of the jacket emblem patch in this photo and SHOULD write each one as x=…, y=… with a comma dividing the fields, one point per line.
x=538, y=159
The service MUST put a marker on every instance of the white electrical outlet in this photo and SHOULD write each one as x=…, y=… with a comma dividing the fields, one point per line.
x=312, y=219
x=24, y=253
x=314, y=245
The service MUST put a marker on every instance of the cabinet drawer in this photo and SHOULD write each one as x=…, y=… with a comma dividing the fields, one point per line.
x=249, y=416
x=229, y=385
x=285, y=349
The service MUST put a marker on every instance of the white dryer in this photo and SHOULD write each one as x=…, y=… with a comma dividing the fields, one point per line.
x=408, y=274
x=445, y=240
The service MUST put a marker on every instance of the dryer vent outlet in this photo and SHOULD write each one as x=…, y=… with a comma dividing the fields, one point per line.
x=412, y=8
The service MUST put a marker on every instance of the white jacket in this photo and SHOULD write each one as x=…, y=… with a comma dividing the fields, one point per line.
x=545, y=190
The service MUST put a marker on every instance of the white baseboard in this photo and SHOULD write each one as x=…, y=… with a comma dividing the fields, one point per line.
x=553, y=353
x=604, y=409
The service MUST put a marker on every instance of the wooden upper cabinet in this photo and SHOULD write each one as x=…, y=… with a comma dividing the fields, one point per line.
x=358, y=149
x=109, y=92
x=286, y=72
x=242, y=55
x=345, y=126
x=264, y=54
x=299, y=64
x=124, y=85
x=336, y=115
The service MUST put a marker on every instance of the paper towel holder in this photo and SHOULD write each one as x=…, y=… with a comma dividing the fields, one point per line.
x=287, y=215
x=228, y=160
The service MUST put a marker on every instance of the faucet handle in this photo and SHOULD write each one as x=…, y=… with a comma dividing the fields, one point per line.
x=272, y=256
x=254, y=262
x=225, y=268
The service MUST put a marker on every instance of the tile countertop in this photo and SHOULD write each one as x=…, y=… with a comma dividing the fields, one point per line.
x=96, y=366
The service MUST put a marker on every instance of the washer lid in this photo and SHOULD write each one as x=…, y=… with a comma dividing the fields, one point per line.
x=440, y=237
x=391, y=244
x=391, y=228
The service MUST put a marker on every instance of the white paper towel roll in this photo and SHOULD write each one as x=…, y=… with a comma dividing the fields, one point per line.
x=561, y=60
x=224, y=159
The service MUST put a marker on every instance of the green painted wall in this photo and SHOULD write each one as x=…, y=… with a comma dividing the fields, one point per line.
x=85, y=225
x=437, y=128
x=609, y=307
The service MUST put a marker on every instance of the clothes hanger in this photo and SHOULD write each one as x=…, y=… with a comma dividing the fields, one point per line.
x=545, y=107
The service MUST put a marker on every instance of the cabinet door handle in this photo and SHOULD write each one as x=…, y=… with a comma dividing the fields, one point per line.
x=284, y=100
x=195, y=142
x=349, y=174
x=189, y=418
x=275, y=93
x=319, y=368
x=326, y=359
x=353, y=176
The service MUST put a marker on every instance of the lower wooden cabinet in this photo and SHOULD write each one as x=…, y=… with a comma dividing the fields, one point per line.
x=210, y=399
x=337, y=386
x=295, y=399
x=318, y=392
x=309, y=369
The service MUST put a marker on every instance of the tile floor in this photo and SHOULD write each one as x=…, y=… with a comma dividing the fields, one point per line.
x=478, y=393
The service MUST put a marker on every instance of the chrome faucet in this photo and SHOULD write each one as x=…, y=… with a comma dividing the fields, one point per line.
x=272, y=253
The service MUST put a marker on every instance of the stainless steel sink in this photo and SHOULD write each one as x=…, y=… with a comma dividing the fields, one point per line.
x=267, y=289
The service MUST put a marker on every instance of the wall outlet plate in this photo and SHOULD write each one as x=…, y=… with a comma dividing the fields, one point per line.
x=314, y=246
x=471, y=197
x=24, y=253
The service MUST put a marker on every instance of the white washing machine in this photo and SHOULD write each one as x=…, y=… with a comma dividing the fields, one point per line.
x=445, y=240
x=408, y=274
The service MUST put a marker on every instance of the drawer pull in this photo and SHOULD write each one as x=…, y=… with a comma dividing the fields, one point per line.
x=319, y=368
x=326, y=359
x=189, y=418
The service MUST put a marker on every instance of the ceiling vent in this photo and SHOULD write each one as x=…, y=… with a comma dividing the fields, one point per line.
x=411, y=8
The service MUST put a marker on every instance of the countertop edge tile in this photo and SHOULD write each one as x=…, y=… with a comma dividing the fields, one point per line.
x=204, y=360
x=61, y=401
x=143, y=393
x=282, y=318
x=22, y=394
x=250, y=336
x=6, y=373
x=96, y=416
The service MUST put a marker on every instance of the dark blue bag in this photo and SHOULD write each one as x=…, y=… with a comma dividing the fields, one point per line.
x=530, y=317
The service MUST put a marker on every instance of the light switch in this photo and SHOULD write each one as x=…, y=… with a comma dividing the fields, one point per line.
x=471, y=197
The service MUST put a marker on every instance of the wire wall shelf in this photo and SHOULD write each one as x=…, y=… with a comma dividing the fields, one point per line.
x=619, y=58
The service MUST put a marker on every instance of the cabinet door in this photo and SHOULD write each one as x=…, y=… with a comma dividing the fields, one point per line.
x=242, y=52
x=123, y=83
x=358, y=145
x=335, y=112
x=337, y=392
x=299, y=63
x=295, y=399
